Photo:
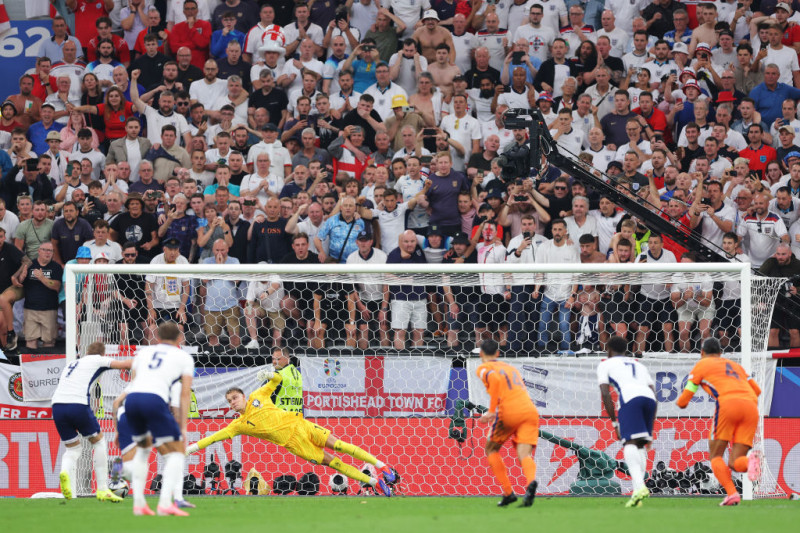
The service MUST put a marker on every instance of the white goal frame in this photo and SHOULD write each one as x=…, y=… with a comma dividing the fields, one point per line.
x=742, y=270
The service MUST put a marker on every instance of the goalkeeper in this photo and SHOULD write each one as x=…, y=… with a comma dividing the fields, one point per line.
x=260, y=418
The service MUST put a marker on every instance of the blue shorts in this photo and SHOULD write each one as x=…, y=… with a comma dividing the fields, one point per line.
x=72, y=419
x=636, y=418
x=124, y=433
x=149, y=415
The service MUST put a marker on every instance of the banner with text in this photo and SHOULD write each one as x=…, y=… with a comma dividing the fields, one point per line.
x=40, y=375
x=30, y=454
x=375, y=386
x=568, y=387
x=12, y=397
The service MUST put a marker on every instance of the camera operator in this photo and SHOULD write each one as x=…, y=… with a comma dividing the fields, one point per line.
x=784, y=265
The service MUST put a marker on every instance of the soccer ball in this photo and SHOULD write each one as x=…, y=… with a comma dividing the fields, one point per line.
x=120, y=488
x=338, y=483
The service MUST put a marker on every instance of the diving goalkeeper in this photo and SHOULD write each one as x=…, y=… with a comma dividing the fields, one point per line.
x=260, y=418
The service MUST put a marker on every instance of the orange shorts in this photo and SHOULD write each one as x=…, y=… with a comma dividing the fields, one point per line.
x=736, y=421
x=522, y=427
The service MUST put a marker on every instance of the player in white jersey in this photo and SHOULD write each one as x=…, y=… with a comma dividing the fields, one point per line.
x=637, y=410
x=154, y=370
x=121, y=467
x=74, y=418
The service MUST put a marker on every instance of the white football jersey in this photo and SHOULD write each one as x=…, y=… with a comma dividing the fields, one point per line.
x=158, y=367
x=628, y=376
x=77, y=378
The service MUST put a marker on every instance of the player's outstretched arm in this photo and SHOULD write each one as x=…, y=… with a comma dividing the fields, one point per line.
x=274, y=379
x=222, y=434
x=754, y=386
x=687, y=394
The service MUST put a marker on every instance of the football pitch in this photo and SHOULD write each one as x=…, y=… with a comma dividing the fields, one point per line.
x=404, y=514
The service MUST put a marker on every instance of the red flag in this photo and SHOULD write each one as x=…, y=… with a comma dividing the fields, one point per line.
x=5, y=23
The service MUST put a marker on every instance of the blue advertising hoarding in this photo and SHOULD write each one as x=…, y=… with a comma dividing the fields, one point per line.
x=19, y=48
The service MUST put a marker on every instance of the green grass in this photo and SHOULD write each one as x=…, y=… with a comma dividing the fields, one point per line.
x=406, y=515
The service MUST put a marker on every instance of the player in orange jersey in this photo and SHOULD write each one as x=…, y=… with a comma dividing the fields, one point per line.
x=735, y=418
x=511, y=415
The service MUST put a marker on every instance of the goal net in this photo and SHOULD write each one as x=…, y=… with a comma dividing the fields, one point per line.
x=385, y=355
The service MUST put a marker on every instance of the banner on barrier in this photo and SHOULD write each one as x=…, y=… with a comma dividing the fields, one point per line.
x=12, y=397
x=30, y=453
x=40, y=375
x=375, y=386
x=562, y=387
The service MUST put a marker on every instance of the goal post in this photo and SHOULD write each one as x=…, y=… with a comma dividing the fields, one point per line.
x=401, y=402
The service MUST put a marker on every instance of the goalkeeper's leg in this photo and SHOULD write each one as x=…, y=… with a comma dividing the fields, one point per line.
x=355, y=452
x=354, y=473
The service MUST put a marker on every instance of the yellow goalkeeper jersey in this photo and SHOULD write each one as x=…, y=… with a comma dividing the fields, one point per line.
x=261, y=419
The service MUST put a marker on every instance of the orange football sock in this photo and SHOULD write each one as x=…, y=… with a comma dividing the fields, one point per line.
x=723, y=475
x=740, y=464
x=529, y=469
x=499, y=469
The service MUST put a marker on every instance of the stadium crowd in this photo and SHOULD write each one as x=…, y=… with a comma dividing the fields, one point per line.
x=189, y=131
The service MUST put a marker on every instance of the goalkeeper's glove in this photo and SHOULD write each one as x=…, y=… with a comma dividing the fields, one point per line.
x=265, y=375
x=192, y=448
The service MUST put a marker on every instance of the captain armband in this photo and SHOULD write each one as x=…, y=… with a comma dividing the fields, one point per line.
x=691, y=387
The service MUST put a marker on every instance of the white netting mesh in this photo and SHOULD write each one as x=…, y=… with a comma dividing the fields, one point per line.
x=389, y=378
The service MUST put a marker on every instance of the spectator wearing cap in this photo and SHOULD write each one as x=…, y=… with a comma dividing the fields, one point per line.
x=37, y=133
x=41, y=285
x=138, y=227
x=402, y=116
x=59, y=160
x=370, y=298
x=430, y=35
x=69, y=233
x=786, y=144
x=167, y=296
x=680, y=55
x=769, y=95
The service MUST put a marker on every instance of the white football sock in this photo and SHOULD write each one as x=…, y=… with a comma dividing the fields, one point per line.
x=178, y=494
x=173, y=468
x=100, y=458
x=68, y=463
x=139, y=466
x=379, y=464
x=127, y=470
x=634, y=459
x=643, y=454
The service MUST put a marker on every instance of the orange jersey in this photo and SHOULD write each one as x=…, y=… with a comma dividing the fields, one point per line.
x=723, y=379
x=504, y=384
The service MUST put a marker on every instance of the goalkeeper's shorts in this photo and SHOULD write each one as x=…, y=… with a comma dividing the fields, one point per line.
x=308, y=441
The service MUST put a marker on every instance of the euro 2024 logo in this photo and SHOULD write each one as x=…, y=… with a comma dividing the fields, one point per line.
x=332, y=367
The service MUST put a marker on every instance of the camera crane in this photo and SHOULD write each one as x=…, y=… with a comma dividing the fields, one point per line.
x=542, y=150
